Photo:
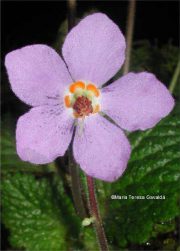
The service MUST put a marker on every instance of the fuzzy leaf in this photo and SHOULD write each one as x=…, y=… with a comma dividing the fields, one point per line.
x=31, y=214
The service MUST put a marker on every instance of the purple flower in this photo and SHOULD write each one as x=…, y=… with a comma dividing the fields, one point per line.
x=62, y=98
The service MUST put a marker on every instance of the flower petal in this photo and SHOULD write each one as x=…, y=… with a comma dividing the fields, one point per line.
x=137, y=101
x=43, y=134
x=36, y=72
x=102, y=150
x=94, y=50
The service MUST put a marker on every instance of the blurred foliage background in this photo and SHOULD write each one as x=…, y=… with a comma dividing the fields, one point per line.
x=37, y=207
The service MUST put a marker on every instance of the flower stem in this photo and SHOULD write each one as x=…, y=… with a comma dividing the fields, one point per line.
x=175, y=77
x=94, y=211
x=71, y=4
x=76, y=187
x=129, y=34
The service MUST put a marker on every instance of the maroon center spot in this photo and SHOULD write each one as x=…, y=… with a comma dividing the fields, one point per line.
x=83, y=106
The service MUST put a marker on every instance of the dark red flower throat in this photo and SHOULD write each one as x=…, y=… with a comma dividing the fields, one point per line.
x=83, y=106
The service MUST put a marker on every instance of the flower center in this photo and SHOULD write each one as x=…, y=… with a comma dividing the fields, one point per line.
x=82, y=106
x=83, y=99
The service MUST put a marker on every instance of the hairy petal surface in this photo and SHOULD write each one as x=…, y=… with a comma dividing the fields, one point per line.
x=94, y=50
x=37, y=74
x=102, y=150
x=137, y=101
x=43, y=134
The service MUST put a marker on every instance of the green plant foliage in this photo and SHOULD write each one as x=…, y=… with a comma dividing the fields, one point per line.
x=76, y=234
x=41, y=216
x=29, y=212
x=38, y=213
x=153, y=170
x=89, y=239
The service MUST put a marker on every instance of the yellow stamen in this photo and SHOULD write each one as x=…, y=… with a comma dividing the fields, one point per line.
x=93, y=88
x=96, y=109
x=75, y=115
x=76, y=85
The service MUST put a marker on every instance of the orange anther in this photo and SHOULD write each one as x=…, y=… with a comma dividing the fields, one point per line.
x=76, y=85
x=67, y=101
x=96, y=109
x=93, y=88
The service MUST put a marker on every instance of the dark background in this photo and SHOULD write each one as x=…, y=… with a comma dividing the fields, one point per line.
x=27, y=22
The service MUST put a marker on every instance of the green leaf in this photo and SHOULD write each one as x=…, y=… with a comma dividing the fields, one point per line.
x=152, y=170
x=31, y=214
